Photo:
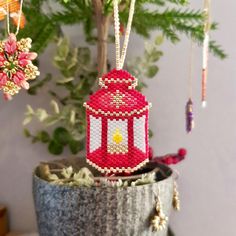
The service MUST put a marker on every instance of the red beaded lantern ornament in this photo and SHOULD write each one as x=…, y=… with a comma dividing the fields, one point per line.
x=117, y=117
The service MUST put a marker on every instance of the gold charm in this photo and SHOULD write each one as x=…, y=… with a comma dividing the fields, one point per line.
x=176, y=200
x=159, y=221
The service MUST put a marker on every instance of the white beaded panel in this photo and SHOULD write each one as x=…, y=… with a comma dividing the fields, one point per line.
x=122, y=126
x=95, y=133
x=139, y=133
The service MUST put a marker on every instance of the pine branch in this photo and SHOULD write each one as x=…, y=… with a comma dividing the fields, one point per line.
x=39, y=27
x=217, y=50
x=164, y=2
x=171, y=22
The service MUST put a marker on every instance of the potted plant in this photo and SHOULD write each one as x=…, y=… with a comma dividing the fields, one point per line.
x=72, y=198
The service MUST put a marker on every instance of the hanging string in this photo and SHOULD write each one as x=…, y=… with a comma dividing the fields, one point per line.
x=191, y=62
x=19, y=18
x=207, y=27
x=189, y=105
x=121, y=58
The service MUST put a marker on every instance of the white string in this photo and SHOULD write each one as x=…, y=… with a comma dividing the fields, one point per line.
x=19, y=18
x=8, y=20
x=191, y=69
x=120, y=59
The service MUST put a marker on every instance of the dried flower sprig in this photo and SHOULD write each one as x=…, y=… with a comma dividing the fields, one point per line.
x=84, y=177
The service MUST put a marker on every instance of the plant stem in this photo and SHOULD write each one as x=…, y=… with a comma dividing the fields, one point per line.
x=102, y=22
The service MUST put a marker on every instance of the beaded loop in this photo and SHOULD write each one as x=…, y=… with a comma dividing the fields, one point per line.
x=121, y=58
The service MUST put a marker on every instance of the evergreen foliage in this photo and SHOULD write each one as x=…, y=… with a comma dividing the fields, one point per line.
x=171, y=17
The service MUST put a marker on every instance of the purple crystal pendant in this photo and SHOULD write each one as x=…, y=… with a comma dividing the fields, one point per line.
x=189, y=116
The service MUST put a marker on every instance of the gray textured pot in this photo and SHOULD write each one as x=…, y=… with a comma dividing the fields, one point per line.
x=81, y=211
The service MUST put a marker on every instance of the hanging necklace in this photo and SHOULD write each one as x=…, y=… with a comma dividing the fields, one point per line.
x=207, y=27
x=189, y=105
x=16, y=66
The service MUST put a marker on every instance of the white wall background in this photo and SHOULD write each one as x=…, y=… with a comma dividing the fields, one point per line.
x=208, y=179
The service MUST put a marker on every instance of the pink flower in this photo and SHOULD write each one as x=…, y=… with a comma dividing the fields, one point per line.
x=2, y=59
x=3, y=79
x=10, y=45
x=24, y=84
x=26, y=57
x=18, y=78
x=7, y=96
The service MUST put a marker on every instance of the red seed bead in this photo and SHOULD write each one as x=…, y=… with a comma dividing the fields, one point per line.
x=182, y=152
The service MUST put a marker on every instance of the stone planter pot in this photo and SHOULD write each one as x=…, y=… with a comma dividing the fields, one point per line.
x=100, y=211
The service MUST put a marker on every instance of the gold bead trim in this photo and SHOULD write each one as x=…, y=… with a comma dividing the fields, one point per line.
x=117, y=169
x=120, y=113
x=102, y=82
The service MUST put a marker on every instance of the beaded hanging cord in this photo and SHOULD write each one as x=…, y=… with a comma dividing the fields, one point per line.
x=207, y=27
x=121, y=58
x=16, y=66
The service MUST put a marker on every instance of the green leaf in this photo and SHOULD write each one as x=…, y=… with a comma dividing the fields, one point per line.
x=27, y=133
x=72, y=116
x=55, y=147
x=29, y=110
x=159, y=40
x=63, y=48
x=41, y=114
x=55, y=106
x=43, y=136
x=27, y=119
x=150, y=133
x=65, y=80
x=61, y=135
x=75, y=146
x=51, y=120
x=84, y=56
x=152, y=71
x=155, y=55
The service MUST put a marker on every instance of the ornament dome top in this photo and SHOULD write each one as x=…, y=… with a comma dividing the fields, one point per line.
x=117, y=97
x=119, y=77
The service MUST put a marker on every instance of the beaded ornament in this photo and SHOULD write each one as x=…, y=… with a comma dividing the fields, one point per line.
x=117, y=117
x=16, y=66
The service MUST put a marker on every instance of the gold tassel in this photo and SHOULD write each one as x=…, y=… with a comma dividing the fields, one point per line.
x=159, y=221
